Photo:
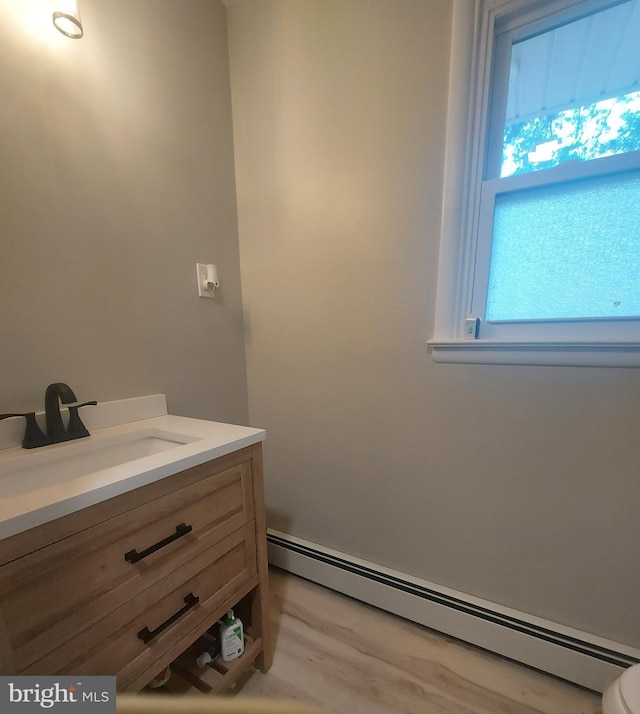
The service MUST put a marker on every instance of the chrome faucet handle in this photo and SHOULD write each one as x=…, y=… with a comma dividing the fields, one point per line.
x=33, y=435
x=75, y=426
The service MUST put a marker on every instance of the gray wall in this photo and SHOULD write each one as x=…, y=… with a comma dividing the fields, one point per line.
x=516, y=484
x=116, y=177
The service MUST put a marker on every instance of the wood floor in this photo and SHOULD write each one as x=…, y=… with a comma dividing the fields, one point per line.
x=354, y=659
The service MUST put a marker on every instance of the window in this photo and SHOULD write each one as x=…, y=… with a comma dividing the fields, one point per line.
x=540, y=260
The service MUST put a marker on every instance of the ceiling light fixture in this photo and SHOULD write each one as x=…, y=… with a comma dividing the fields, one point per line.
x=67, y=19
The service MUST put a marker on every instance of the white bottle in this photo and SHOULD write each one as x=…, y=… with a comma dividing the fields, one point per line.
x=231, y=637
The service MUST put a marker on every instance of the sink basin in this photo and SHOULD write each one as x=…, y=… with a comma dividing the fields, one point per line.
x=54, y=465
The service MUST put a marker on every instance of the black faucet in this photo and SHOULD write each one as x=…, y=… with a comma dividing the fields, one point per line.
x=56, y=432
x=56, y=393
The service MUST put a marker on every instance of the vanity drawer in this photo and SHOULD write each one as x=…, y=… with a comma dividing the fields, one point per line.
x=112, y=645
x=52, y=594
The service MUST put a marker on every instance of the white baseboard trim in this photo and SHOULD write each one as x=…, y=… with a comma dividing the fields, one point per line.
x=587, y=660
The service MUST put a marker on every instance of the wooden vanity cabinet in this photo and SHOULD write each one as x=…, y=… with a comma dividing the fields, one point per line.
x=123, y=587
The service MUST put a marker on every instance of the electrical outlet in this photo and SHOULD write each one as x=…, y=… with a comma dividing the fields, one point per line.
x=207, y=280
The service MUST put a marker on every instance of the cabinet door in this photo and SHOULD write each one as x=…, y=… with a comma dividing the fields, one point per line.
x=53, y=594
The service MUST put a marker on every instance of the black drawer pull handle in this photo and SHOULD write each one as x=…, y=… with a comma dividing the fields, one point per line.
x=133, y=556
x=146, y=635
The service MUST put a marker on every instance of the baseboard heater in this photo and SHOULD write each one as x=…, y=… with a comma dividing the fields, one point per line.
x=579, y=657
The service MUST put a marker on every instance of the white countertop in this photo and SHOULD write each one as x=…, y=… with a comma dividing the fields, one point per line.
x=22, y=508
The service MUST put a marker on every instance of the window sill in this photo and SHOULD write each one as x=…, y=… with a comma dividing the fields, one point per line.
x=562, y=354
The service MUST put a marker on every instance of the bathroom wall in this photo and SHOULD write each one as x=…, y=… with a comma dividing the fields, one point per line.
x=515, y=484
x=116, y=177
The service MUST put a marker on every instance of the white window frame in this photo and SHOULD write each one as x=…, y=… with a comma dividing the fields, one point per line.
x=556, y=342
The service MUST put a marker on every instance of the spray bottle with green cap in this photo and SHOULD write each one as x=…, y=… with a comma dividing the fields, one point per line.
x=231, y=637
